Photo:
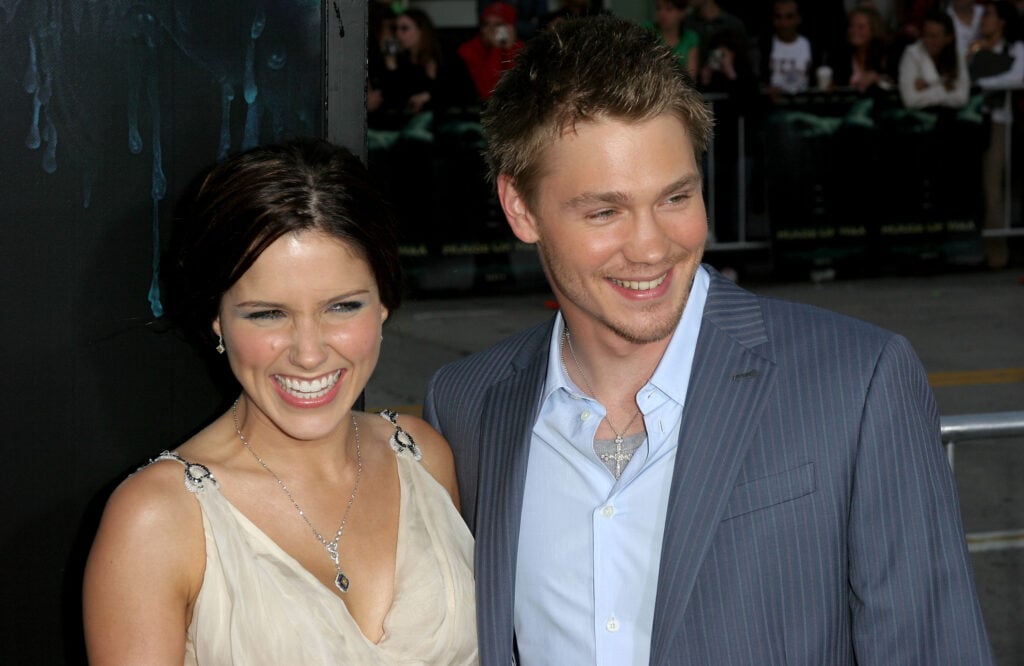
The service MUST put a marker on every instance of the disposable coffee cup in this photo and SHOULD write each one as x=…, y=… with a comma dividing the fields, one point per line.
x=824, y=77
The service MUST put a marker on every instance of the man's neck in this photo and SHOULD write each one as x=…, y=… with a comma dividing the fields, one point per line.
x=614, y=368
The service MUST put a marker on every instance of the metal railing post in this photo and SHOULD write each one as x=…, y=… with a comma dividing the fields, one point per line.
x=964, y=427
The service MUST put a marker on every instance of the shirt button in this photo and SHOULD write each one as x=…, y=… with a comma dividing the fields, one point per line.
x=612, y=625
x=584, y=416
x=608, y=511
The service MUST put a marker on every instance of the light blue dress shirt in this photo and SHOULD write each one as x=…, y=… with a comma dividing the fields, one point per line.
x=590, y=545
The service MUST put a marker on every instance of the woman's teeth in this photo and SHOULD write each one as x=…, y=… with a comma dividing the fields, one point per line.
x=308, y=389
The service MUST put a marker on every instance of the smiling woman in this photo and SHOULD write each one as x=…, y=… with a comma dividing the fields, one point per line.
x=286, y=265
x=302, y=330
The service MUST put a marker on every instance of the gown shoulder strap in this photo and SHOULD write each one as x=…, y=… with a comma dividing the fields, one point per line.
x=198, y=477
x=402, y=442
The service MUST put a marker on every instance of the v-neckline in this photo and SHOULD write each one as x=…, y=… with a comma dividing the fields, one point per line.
x=297, y=566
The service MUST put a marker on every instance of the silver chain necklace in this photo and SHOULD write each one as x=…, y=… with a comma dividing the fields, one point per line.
x=341, y=580
x=619, y=436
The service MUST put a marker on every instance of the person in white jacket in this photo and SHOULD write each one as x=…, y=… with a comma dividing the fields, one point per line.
x=932, y=71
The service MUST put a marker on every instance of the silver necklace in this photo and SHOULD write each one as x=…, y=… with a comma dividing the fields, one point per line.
x=619, y=457
x=341, y=580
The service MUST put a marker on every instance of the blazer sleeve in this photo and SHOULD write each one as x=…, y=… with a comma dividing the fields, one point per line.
x=913, y=599
x=445, y=391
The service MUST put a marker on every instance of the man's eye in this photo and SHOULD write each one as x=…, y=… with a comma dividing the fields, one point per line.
x=603, y=214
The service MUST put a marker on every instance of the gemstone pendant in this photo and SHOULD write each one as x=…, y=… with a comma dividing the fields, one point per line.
x=341, y=582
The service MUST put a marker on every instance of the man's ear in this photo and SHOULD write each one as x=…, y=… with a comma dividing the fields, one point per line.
x=523, y=224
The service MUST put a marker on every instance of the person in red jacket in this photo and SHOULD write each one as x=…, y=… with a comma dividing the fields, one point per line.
x=493, y=49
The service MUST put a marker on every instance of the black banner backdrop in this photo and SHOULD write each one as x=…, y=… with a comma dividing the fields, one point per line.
x=109, y=110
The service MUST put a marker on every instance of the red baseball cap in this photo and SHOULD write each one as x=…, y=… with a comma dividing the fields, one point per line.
x=501, y=10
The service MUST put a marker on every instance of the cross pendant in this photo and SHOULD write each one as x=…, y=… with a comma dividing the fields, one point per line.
x=619, y=456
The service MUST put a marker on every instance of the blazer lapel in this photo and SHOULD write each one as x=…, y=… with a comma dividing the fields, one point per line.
x=729, y=386
x=506, y=425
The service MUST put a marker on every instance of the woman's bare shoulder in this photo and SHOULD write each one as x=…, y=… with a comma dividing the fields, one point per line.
x=153, y=498
x=151, y=524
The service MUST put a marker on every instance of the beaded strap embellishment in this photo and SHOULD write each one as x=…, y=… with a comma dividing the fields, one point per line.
x=196, y=474
x=402, y=442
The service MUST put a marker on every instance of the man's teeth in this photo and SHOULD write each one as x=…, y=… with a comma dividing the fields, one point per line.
x=306, y=388
x=639, y=285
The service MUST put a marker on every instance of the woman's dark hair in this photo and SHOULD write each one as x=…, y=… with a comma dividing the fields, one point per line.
x=429, y=47
x=378, y=14
x=946, y=63
x=1007, y=13
x=245, y=203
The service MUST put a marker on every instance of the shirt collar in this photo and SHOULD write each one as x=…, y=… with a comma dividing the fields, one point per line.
x=672, y=376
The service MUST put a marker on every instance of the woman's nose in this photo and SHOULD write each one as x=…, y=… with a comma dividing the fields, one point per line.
x=307, y=349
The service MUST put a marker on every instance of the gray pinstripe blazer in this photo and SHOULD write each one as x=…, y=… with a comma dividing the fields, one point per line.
x=813, y=518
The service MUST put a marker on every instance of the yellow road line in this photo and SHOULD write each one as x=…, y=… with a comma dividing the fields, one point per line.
x=972, y=377
x=980, y=542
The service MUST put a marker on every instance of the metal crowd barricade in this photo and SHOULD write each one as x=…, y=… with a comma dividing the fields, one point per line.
x=742, y=242
x=965, y=427
x=742, y=184
x=1007, y=228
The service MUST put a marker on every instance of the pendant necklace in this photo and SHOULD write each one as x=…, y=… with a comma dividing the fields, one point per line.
x=340, y=580
x=620, y=456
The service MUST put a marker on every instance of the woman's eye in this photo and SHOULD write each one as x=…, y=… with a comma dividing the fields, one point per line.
x=346, y=306
x=264, y=315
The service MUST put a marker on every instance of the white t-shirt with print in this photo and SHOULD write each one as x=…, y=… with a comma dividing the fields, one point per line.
x=790, y=64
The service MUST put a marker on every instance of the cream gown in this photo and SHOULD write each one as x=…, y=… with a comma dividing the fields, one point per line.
x=258, y=605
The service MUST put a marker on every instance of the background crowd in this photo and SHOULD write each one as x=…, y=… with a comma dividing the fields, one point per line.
x=911, y=71
x=773, y=46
